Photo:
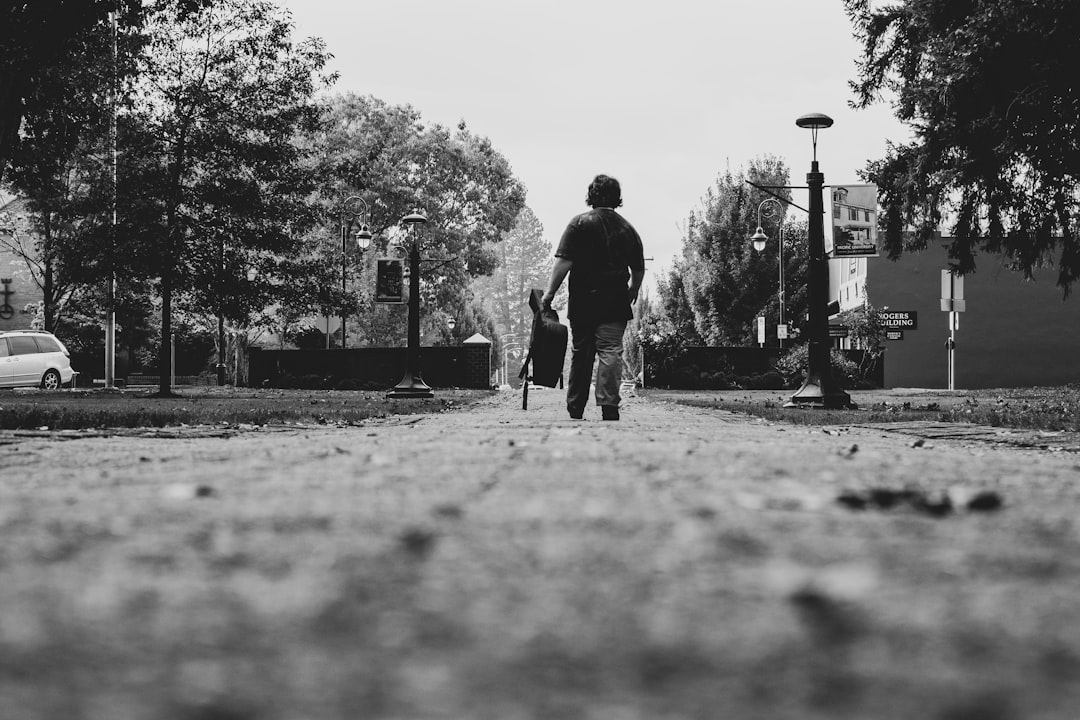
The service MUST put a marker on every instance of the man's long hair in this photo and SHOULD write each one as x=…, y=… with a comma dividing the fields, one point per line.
x=604, y=191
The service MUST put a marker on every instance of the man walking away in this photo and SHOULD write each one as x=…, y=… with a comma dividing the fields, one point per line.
x=603, y=255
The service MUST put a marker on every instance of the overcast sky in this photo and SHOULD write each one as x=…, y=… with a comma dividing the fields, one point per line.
x=663, y=96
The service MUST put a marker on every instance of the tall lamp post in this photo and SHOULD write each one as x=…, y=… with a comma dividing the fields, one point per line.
x=349, y=213
x=516, y=347
x=505, y=340
x=759, y=237
x=412, y=384
x=819, y=389
x=220, y=367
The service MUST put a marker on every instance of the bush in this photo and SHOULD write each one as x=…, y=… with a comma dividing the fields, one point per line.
x=358, y=384
x=767, y=381
x=304, y=382
x=793, y=364
x=308, y=338
x=662, y=350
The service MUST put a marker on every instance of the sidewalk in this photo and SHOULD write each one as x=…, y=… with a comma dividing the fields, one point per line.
x=494, y=562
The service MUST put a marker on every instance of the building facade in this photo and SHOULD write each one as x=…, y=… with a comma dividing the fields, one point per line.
x=20, y=296
x=1012, y=333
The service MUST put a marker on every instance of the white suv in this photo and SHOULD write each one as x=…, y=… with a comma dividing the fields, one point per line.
x=33, y=358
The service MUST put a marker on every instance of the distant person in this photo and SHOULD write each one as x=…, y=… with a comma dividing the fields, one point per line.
x=602, y=252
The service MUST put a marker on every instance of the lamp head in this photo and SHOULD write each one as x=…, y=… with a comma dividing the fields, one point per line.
x=758, y=238
x=814, y=122
x=363, y=237
x=451, y=323
x=414, y=218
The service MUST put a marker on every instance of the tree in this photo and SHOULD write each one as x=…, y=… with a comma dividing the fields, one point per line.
x=525, y=260
x=719, y=277
x=59, y=156
x=210, y=154
x=675, y=305
x=465, y=187
x=989, y=88
x=37, y=39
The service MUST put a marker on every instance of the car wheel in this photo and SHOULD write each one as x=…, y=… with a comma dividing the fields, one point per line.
x=50, y=380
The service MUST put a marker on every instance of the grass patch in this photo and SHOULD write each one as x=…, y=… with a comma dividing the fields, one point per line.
x=75, y=410
x=1038, y=408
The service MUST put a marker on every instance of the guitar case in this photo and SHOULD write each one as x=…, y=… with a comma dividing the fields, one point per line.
x=547, y=349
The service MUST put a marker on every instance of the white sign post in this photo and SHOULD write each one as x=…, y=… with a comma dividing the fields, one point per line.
x=761, y=330
x=952, y=302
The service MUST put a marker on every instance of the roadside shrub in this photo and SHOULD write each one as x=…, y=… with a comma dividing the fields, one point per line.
x=304, y=382
x=771, y=380
x=793, y=365
x=307, y=338
x=662, y=350
x=358, y=384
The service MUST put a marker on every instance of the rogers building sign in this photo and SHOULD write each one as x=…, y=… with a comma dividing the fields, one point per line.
x=900, y=319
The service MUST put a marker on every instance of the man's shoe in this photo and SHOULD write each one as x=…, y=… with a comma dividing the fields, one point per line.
x=575, y=414
x=611, y=412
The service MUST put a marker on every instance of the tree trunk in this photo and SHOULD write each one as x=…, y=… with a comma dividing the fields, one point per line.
x=165, y=353
x=48, y=301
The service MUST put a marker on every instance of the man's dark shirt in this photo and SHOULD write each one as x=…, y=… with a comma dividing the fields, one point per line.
x=604, y=248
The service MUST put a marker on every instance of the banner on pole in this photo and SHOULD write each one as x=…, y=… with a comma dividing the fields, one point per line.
x=854, y=221
x=389, y=284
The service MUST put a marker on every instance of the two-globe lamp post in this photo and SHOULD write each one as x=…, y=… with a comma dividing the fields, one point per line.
x=353, y=208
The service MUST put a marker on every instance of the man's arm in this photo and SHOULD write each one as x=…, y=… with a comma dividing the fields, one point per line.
x=558, y=274
x=636, y=276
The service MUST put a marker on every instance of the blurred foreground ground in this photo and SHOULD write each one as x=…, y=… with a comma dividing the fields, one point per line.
x=498, y=563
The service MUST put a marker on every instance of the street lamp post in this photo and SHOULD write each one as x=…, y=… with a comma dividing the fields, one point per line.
x=506, y=339
x=759, y=237
x=412, y=384
x=516, y=347
x=220, y=367
x=819, y=389
x=349, y=213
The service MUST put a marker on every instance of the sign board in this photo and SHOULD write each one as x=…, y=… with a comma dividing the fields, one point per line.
x=389, y=281
x=953, y=305
x=854, y=221
x=761, y=329
x=837, y=331
x=900, y=319
x=952, y=292
x=894, y=334
x=782, y=332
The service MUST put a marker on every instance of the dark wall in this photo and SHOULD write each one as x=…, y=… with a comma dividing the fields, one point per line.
x=747, y=367
x=1014, y=332
x=464, y=366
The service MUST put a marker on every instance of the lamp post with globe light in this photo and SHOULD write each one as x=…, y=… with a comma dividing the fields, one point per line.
x=759, y=237
x=352, y=208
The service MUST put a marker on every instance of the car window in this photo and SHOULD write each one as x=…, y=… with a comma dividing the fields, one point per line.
x=22, y=345
x=3, y=347
x=46, y=344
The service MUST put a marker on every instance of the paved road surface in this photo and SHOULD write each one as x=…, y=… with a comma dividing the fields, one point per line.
x=499, y=563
